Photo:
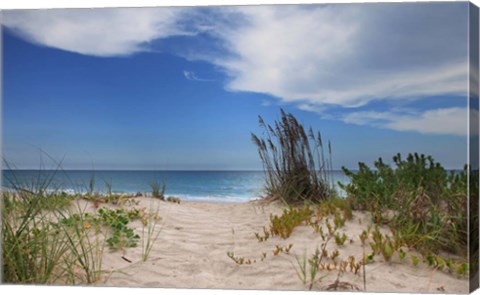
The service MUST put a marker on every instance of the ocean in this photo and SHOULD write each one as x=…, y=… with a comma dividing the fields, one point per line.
x=218, y=186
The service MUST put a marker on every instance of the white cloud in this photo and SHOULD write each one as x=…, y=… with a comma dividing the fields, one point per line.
x=368, y=118
x=346, y=55
x=445, y=121
x=336, y=55
x=98, y=32
x=266, y=103
x=312, y=108
x=440, y=121
x=190, y=75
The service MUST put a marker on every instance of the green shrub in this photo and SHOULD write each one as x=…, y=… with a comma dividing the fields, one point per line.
x=426, y=205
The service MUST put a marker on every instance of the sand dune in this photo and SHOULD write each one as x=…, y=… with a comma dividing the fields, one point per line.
x=191, y=252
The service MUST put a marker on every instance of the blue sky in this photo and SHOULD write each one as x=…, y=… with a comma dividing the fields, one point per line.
x=181, y=88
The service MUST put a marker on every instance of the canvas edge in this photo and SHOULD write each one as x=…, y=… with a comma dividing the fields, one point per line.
x=473, y=144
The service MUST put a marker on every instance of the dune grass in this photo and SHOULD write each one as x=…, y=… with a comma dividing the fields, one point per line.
x=31, y=247
x=150, y=231
x=86, y=246
x=158, y=191
x=39, y=248
x=295, y=165
x=47, y=238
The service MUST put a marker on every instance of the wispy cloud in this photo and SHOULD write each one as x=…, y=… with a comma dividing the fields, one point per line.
x=190, y=75
x=266, y=103
x=312, y=108
x=444, y=121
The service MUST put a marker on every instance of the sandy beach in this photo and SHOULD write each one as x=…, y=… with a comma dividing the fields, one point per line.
x=191, y=252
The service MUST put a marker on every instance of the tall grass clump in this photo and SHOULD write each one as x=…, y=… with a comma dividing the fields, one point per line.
x=41, y=242
x=295, y=165
x=158, y=191
x=86, y=245
x=424, y=204
x=31, y=248
x=150, y=232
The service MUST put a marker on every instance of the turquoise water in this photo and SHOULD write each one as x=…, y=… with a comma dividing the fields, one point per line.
x=220, y=186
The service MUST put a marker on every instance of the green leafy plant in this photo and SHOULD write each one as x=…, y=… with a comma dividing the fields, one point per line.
x=334, y=255
x=370, y=258
x=282, y=249
x=383, y=244
x=354, y=265
x=284, y=224
x=462, y=269
x=240, y=260
x=340, y=240
x=402, y=254
x=415, y=260
x=333, y=206
x=338, y=220
x=121, y=236
x=118, y=199
x=266, y=235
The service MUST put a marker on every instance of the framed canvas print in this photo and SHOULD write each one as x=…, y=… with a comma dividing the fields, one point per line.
x=323, y=147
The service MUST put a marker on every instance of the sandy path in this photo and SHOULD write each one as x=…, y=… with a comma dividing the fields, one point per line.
x=191, y=252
